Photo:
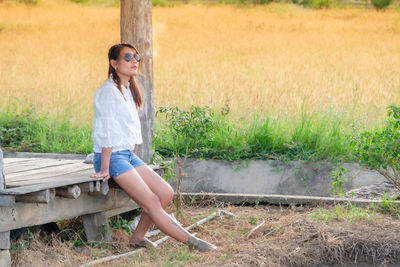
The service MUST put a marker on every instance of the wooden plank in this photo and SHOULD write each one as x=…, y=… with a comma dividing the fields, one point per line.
x=36, y=197
x=72, y=191
x=29, y=214
x=113, y=212
x=48, y=172
x=5, y=240
x=70, y=179
x=43, y=155
x=73, y=178
x=12, y=161
x=7, y=200
x=38, y=164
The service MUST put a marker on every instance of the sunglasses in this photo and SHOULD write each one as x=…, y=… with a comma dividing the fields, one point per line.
x=128, y=57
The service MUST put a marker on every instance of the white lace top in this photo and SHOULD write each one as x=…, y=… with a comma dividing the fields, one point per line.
x=116, y=121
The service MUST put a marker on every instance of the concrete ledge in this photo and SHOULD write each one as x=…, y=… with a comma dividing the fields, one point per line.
x=270, y=177
x=276, y=199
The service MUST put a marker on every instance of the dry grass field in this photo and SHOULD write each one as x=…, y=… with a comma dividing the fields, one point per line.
x=290, y=236
x=276, y=59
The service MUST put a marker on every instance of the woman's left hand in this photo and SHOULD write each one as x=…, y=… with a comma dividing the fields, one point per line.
x=102, y=174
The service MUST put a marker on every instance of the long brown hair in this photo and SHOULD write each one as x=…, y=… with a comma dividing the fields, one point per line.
x=113, y=54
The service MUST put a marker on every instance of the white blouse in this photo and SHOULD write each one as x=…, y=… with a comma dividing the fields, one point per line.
x=116, y=121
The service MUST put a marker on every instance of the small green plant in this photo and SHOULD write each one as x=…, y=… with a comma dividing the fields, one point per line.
x=339, y=178
x=117, y=222
x=380, y=149
x=190, y=130
x=169, y=166
x=388, y=205
x=253, y=220
x=381, y=4
x=344, y=212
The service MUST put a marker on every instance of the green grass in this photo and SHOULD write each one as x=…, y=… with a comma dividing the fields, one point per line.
x=24, y=129
x=308, y=137
x=345, y=212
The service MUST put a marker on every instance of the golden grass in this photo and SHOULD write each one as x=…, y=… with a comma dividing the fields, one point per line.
x=273, y=59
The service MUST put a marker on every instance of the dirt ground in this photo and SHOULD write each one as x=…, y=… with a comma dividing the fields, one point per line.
x=289, y=236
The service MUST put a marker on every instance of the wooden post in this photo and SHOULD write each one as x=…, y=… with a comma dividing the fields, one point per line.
x=5, y=258
x=136, y=29
x=96, y=227
x=2, y=176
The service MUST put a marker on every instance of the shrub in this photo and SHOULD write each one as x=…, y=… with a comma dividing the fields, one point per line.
x=380, y=149
x=318, y=4
x=29, y=2
x=381, y=4
x=162, y=3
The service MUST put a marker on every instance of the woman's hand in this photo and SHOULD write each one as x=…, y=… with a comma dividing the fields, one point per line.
x=102, y=174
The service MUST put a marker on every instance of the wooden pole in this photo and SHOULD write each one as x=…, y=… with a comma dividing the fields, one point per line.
x=2, y=176
x=136, y=29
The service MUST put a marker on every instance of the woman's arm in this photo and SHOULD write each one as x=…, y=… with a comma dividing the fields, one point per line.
x=105, y=164
x=135, y=149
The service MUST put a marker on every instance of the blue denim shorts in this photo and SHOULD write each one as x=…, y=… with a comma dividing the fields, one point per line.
x=120, y=162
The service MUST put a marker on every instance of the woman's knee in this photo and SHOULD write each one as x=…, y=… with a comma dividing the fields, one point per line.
x=151, y=203
x=168, y=195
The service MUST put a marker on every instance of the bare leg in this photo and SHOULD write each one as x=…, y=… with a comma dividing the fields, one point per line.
x=132, y=183
x=159, y=187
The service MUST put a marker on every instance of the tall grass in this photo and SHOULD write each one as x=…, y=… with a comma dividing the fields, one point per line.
x=25, y=129
x=313, y=137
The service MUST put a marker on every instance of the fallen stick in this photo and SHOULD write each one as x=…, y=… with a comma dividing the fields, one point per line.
x=248, y=234
x=158, y=242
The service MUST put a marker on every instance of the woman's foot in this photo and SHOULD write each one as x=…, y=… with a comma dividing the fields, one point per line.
x=199, y=244
x=145, y=243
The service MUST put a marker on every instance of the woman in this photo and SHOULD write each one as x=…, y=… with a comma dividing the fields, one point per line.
x=116, y=134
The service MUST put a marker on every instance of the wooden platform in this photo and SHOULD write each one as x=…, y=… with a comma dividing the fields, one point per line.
x=28, y=175
x=44, y=189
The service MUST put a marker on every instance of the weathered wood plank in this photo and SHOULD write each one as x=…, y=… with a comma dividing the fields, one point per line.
x=104, y=188
x=7, y=200
x=47, y=172
x=74, y=178
x=70, y=179
x=35, y=165
x=5, y=240
x=113, y=212
x=12, y=161
x=136, y=28
x=29, y=214
x=36, y=197
x=96, y=227
x=72, y=191
x=2, y=176
x=43, y=155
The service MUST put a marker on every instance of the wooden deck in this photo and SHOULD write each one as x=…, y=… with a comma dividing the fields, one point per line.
x=41, y=190
x=27, y=175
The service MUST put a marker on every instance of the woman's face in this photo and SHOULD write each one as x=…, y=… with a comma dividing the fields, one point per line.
x=123, y=66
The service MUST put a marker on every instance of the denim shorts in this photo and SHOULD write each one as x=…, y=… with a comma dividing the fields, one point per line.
x=120, y=162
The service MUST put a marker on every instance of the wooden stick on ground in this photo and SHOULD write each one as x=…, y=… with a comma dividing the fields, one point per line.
x=249, y=233
x=158, y=242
